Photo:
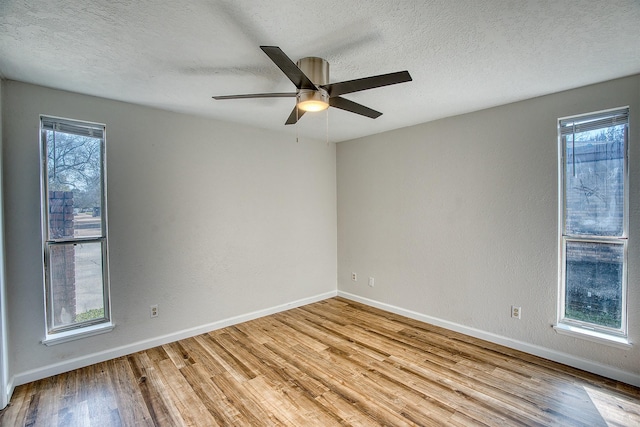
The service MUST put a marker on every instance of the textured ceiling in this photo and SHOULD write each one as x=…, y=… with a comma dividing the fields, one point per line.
x=462, y=55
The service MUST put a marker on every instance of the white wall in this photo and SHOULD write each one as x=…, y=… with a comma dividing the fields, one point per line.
x=457, y=220
x=3, y=299
x=209, y=220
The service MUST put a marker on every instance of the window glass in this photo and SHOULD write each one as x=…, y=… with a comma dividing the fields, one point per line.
x=76, y=283
x=75, y=239
x=594, y=184
x=594, y=283
x=594, y=216
x=74, y=174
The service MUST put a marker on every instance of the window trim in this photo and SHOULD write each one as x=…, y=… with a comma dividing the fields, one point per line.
x=75, y=334
x=56, y=335
x=572, y=327
x=593, y=336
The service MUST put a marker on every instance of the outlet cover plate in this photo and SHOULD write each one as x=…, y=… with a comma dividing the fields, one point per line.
x=516, y=312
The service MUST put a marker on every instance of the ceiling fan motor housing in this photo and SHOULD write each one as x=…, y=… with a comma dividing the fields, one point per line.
x=317, y=70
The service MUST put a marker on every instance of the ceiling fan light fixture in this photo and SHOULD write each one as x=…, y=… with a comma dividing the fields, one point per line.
x=313, y=100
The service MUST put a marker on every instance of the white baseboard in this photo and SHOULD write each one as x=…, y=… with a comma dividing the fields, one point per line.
x=80, y=362
x=556, y=356
x=90, y=359
x=9, y=387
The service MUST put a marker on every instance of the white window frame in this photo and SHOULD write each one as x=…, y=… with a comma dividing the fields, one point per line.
x=586, y=330
x=60, y=334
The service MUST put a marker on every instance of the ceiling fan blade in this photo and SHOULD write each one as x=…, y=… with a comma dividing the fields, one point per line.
x=349, y=86
x=353, y=107
x=294, y=116
x=288, y=67
x=257, y=95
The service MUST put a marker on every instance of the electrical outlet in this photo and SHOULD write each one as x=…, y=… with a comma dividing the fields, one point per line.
x=516, y=312
x=153, y=310
x=371, y=281
x=354, y=277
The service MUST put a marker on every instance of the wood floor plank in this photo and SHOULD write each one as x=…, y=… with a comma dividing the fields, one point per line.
x=200, y=353
x=309, y=325
x=352, y=386
x=221, y=409
x=334, y=362
x=264, y=394
x=252, y=413
x=345, y=410
x=178, y=355
x=152, y=390
x=17, y=408
x=472, y=397
x=47, y=409
x=100, y=397
x=276, y=368
x=291, y=405
x=192, y=411
x=615, y=410
x=67, y=392
x=227, y=361
x=131, y=409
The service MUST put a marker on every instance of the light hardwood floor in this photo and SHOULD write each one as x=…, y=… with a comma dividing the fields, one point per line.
x=334, y=362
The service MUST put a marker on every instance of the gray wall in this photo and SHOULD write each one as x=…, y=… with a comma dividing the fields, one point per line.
x=457, y=220
x=3, y=298
x=209, y=220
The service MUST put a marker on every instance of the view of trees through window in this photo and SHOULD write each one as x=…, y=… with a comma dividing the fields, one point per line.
x=75, y=235
x=594, y=218
x=75, y=165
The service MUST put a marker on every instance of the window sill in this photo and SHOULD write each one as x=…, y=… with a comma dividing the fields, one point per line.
x=594, y=336
x=77, y=334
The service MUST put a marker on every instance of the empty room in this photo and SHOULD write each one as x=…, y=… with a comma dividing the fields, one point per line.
x=295, y=213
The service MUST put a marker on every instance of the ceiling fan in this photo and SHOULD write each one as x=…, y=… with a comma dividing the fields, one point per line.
x=314, y=92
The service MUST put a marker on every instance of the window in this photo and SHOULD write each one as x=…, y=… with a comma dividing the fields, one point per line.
x=74, y=227
x=593, y=214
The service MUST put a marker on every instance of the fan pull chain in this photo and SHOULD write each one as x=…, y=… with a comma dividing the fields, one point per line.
x=573, y=149
x=327, y=130
x=297, y=124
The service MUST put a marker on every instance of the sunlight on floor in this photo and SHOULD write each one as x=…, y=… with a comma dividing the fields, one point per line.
x=616, y=410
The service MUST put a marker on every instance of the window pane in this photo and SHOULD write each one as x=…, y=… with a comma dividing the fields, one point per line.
x=594, y=283
x=76, y=283
x=75, y=236
x=594, y=182
x=74, y=182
